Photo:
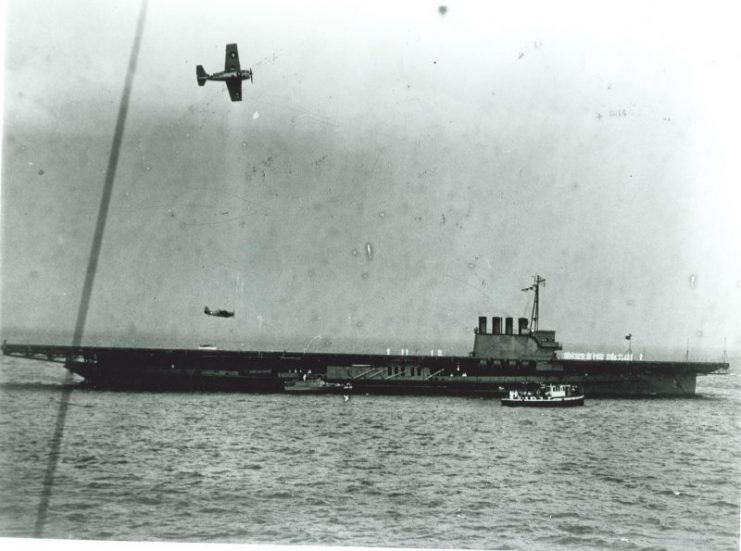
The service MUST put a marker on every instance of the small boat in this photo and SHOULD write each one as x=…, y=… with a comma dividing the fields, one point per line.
x=545, y=396
x=315, y=385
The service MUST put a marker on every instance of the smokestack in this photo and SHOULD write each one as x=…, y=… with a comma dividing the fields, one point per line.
x=508, y=325
x=482, y=325
x=496, y=325
x=522, y=329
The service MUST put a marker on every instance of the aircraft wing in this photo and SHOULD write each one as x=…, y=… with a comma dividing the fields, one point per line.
x=235, y=88
x=231, y=63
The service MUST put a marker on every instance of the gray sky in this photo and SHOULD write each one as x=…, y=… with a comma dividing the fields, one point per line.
x=392, y=173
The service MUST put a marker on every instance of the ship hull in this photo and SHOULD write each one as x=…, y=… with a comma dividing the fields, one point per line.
x=254, y=371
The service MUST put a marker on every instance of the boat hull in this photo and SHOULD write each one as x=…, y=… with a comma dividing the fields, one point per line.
x=313, y=387
x=570, y=401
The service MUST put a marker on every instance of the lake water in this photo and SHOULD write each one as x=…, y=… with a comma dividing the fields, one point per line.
x=373, y=471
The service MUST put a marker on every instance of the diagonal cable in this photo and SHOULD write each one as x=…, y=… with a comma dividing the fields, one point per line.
x=87, y=287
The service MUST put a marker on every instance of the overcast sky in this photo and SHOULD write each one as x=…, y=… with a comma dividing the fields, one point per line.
x=393, y=173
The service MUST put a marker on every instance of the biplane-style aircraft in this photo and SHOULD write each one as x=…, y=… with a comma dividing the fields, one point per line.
x=233, y=75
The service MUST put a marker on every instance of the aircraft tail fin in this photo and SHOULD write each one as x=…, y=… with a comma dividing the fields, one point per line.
x=201, y=75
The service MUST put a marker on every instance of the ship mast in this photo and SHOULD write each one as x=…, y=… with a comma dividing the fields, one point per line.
x=687, y=352
x=537, y=280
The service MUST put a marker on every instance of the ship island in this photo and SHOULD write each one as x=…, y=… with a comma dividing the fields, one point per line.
x=504, y=356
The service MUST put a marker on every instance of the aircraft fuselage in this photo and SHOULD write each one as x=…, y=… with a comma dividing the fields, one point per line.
x=230, y=75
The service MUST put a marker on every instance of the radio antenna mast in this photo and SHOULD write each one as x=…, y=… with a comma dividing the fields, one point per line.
x=537, y=280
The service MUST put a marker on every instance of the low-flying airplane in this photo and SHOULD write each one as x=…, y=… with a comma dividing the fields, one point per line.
x=218, y=313
x=233, y=75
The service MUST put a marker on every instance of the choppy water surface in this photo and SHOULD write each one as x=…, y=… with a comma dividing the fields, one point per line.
x=373, y=471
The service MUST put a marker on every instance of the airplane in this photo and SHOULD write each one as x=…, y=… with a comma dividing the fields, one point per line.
x=218, y=313
x=233, y=75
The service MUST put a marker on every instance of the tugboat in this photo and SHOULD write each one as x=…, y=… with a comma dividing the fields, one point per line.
x=545, y=396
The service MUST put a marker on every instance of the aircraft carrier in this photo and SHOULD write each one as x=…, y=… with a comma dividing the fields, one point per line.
x=503, y=357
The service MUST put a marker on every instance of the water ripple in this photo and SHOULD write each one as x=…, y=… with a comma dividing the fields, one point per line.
x=375, y=471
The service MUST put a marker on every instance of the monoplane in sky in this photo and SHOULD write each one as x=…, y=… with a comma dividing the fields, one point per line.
x=233, y=75
x=218, y=313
